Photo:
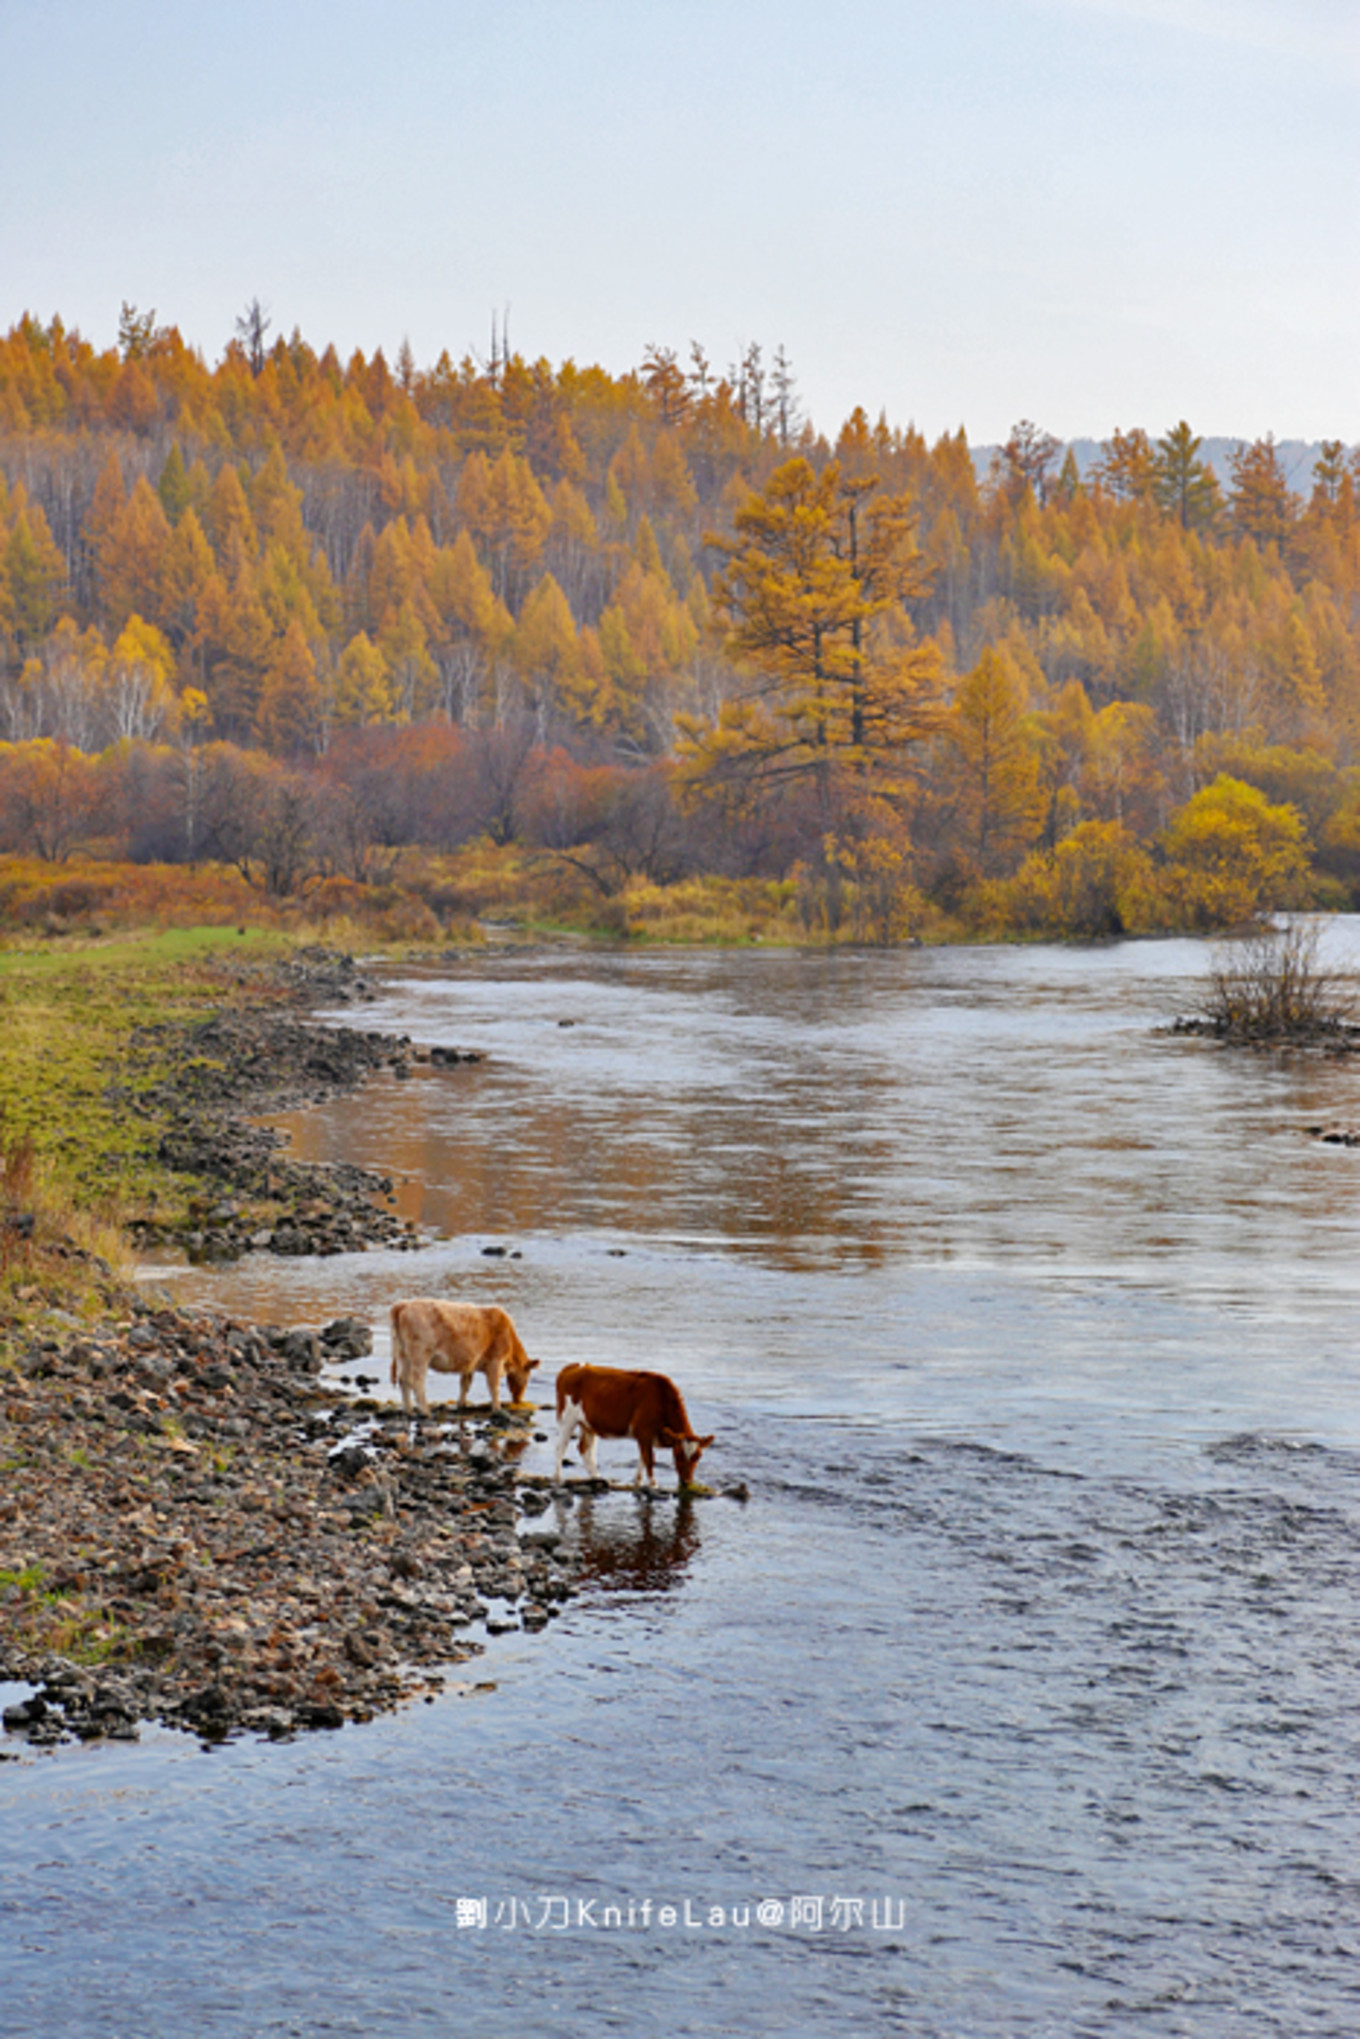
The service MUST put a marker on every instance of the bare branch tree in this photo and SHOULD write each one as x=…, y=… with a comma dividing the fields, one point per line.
x=1028, y=457
x=251, y=328
x=787, y=409
x=136, y=331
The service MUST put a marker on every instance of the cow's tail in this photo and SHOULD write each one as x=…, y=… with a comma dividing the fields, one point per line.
x=398, y=1348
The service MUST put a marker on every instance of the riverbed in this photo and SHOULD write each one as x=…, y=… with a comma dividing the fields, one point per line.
x=1018, y=1698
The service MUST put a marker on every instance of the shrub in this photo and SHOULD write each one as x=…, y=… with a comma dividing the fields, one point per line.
x=1232, y=855
x=1093, y=885
x=1270, y=986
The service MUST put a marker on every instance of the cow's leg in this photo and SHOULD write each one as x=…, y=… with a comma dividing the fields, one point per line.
x=493, y=1382
x=572, y=1414
x=399, y=1358
x=589, y=1439
x=421, y=1371
x=646, y=1472
x=464, y=1383
x=403, y=1361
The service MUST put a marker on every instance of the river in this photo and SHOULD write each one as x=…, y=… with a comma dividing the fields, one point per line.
x=1019, y=1698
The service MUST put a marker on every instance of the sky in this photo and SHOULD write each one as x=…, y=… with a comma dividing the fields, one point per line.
x=1089, y=213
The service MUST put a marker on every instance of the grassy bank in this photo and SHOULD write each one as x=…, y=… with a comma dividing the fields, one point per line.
x=76, y=1164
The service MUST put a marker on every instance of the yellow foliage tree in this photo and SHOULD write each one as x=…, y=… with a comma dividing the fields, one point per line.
x=32, y=578
x=997, y=765
x=363, y=690
x=288, y=718
x=647, y=638
x=49, y=797
x=547, y=653
x=1233, y=854
x=814, y=591
x=189, y=568
x=1122, y=780
x=405, y=646
x=1096, y=883
x=139, y=696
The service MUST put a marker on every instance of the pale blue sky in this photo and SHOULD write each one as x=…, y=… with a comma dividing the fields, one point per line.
x=1087, y=212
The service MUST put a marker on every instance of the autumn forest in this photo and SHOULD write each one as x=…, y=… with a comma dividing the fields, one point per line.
x=648, y=653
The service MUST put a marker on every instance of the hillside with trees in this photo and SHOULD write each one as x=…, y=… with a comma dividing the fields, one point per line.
x=325, y=624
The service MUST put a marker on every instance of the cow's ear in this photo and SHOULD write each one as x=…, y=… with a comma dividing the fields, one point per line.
x=705, y=1441
x=532, y=1364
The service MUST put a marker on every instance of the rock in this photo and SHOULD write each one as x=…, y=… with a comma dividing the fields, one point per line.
x=347, y=1338
x=302, y=1350
x=246, y=1059
x=349, y=1460
x=324, y=1713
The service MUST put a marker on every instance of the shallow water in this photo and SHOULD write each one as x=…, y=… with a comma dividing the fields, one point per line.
x=1021, y=1693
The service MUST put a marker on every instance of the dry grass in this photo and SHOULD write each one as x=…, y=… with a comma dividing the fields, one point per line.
x=55, y=1252
x=711, y=910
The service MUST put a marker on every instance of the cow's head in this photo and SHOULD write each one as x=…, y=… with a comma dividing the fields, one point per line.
x=517, y=1374
x=687, y=1452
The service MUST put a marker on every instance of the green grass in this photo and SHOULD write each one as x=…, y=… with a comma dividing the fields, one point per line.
x=164, y=947
x=66, y=1024
x=27, y=1580
x=71, y=1151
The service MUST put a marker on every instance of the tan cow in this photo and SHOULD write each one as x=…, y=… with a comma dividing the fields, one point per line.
x=461, y=1338
x=608, y=1401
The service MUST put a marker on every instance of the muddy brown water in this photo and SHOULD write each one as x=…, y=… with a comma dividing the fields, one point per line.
x=1019, y=1699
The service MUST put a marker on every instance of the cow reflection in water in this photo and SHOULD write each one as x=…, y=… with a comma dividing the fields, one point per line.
x=645, y=1550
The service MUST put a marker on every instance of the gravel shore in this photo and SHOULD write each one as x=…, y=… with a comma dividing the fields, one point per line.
x=258, y=1056
x=193, y=1530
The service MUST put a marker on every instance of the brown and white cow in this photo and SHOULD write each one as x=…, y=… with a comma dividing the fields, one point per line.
x=608, y=1401
x=429, y=1334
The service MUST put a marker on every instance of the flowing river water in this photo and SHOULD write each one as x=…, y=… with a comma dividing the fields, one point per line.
x=1020, y=1698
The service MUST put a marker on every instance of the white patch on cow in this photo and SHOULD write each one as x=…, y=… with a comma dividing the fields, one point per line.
x=572, y=1414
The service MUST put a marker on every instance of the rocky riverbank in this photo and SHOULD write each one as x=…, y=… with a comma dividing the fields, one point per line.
x=194, y=1530
x=254, y=1056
